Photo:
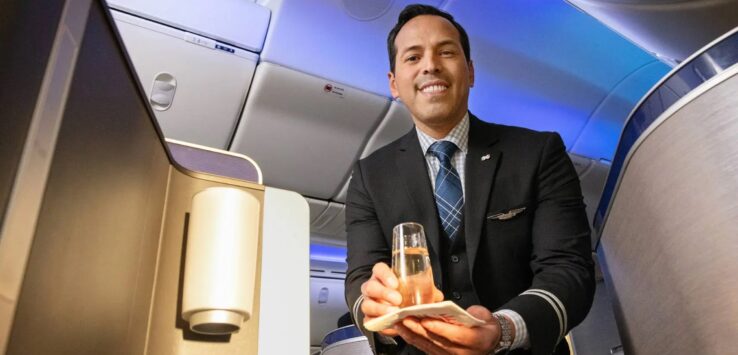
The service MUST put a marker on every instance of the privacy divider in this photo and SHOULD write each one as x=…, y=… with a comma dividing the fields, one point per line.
x=96, y=264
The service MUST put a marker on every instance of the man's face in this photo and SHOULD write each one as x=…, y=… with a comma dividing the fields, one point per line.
x=432, y=76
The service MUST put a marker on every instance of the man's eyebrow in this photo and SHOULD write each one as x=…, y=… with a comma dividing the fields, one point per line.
x=442, y=43
x=411, y=48
x=446, y=42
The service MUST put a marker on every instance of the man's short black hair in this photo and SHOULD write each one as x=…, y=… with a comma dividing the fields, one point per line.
x=412, y=11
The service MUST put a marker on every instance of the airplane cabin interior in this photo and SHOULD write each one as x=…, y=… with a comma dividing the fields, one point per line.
x=142, y=139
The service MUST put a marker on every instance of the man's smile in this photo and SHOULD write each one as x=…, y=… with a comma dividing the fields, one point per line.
x=434, y=87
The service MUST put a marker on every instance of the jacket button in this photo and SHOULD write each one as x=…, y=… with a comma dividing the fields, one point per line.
x=454, y=258
x=457, y=296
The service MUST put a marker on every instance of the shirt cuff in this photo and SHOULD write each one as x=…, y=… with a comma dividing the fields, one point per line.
x=381, y=337
x=521, y=331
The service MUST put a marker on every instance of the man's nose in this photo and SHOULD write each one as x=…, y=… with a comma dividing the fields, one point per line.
x=431, y=64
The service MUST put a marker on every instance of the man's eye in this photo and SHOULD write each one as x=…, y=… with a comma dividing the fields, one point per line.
x=447, y=53
x=411, y=58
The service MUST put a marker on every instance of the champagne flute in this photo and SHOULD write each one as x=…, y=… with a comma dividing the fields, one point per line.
x=411, y=264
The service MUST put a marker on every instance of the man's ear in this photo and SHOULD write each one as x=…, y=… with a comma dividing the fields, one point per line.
x=471, y=74
x=393, y=85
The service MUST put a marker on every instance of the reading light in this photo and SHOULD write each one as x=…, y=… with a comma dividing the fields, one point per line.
x=220, y=265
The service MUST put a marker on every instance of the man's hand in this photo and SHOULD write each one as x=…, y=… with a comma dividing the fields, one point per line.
x=438, y=337
x=381, y=295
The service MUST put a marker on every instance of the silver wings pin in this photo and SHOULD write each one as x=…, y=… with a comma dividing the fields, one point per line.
x=507, y=215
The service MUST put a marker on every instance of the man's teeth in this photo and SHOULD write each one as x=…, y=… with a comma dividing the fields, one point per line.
x=434, y=88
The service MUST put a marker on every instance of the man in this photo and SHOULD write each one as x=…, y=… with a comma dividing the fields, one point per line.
x=515, y=242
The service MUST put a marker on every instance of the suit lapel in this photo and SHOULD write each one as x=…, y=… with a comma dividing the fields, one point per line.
x=482, y=161
x=412, y=168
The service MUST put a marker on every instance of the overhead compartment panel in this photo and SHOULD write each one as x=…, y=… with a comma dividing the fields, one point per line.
x=241, y=23
x=195, y=85
x=395, y=124
x=311, y=36
x=305, y=131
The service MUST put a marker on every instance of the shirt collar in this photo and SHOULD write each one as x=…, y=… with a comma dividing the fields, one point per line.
x=459, y=135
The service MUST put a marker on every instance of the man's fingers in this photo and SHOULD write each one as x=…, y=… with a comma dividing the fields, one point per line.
x=454, y=334
x=390, y=332
x=418, y=341
x=417, y=327
x=374, y=289
x=475, y=338
x=371, y=308
x=385, y=275
x=437, y=295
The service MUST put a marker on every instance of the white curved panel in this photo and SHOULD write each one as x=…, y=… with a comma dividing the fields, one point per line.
x=395, y=124
x=208, y=86
x=673, y=29
x=317, y=207
x=312, y=37
x=241, y=23
x=304, y=131
x=546, y=67
x=285, y=236
x=598, y=139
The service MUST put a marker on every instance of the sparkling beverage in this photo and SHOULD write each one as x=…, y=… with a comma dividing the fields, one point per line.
x=413, y=269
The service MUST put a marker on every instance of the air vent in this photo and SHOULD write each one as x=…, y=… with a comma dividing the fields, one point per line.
x=327, y=269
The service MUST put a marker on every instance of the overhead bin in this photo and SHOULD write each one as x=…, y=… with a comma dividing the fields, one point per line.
x=310, y=36
x=395, y=124
x=240, y=23
x=331, y=223
x=305, y=131
x=195, y=85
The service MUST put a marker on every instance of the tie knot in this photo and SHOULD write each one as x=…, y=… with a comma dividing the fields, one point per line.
x=443, y=150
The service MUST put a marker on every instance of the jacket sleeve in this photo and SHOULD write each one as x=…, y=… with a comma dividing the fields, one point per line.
x=366, y=247
x=563, y=283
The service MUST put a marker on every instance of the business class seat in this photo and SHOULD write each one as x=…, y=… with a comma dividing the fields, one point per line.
x=666, y=219
x=346, y=340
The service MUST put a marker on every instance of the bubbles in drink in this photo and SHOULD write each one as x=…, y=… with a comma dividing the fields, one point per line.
x=413, y=270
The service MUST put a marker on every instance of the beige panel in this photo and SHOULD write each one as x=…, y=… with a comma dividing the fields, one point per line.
x=168, y=333
x=89, y=277
x=24, y=186
x=102, y=240
x=670, y=241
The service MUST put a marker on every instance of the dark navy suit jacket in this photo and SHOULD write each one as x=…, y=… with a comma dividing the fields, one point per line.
x=544, y=248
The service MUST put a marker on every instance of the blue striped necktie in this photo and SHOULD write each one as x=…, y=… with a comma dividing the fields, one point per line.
x=449, y=195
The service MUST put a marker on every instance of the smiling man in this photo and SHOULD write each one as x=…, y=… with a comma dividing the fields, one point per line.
x=502, y=209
